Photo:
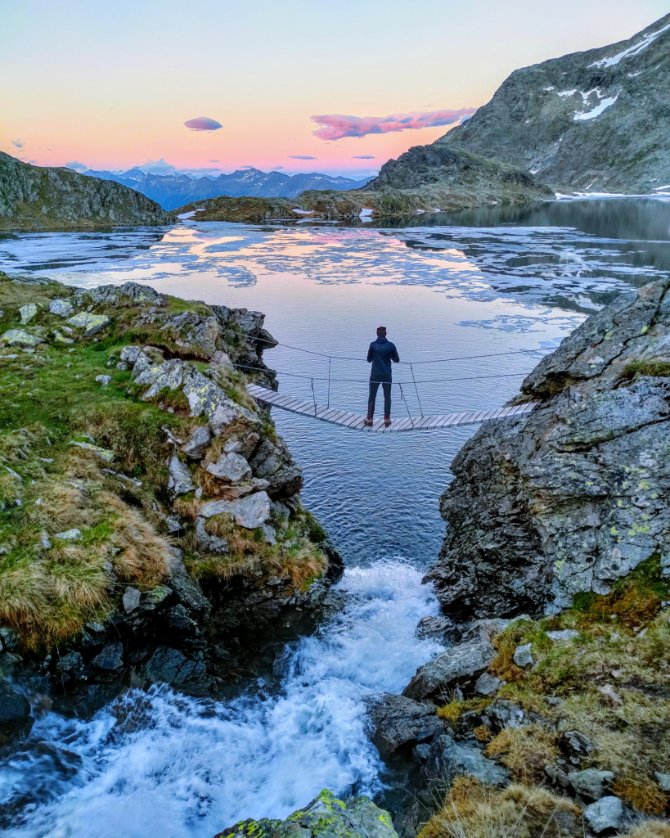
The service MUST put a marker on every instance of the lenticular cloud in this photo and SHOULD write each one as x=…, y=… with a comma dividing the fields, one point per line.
x=203, y=123
x=337, y=126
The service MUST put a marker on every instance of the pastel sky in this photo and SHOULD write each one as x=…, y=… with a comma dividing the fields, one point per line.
x=303, y=85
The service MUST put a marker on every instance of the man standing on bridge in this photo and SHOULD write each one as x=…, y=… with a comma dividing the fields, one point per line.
x=380, y=355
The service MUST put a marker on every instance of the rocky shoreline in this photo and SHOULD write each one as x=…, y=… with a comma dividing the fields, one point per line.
x=151, y=528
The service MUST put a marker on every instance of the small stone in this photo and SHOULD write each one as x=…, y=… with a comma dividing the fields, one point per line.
x=103, y=379
x=69, y=535
x=605, y=814
x=523, y=656
x=104, y=453
x=110, y=658
x=173, y=524
x=196, y=445
x=663, y=781
x=18, y=337
x=563, y=636
x=232, y=467
x=61, y=308
x=130, y=354
x=131, y=599
x=487, y=684
x=556, y=774
x=180, y=481
x=27, y=312
x=591, y=783
x=608, y=692
x=90, y=323
x=269, y=533
x=60, y=338
x=578, y=743
x=45, y=541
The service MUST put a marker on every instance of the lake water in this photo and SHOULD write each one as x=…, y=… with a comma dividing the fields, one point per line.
x=487, y=293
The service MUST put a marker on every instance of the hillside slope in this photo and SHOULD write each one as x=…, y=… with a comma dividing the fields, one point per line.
x=596, y=120
x=36, y=197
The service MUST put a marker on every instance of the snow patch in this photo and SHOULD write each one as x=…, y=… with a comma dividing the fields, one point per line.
x=365, y=214
x=634, y=50
x=603, y=105
x=299, y=211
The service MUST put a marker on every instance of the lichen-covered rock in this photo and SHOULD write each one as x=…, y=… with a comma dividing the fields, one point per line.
x=90, y=323
x=60, y=307
x=575, y=495
x=325, y=817
x=19, y=337
x=28, y=312
x=604, y=815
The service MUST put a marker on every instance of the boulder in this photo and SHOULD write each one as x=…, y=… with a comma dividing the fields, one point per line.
x=604, y=815
x=27, y=312
x=91, y=324
x=18, y=337
x=110, y=658
x=127, y=293
x=591, y=783
x=171, y=666
x=399, y=721
x=446, y=759
x=574, y=495
x=325, y=817
x=61, y=308
x=232, y=467
x=461, y=662
x=250, y=511
x=487, y=684
x=197, y=443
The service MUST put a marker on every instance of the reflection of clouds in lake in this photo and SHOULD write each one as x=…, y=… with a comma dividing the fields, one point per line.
x=520, y=323
x=556, y=266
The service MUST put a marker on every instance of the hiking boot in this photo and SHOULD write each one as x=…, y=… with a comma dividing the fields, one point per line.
x=368, y=422
x=387, y=421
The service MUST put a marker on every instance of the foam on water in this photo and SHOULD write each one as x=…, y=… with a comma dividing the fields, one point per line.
x=159, y=763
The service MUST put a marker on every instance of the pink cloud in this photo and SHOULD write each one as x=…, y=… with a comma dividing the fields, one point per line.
x=203, y=123
x=337, y=126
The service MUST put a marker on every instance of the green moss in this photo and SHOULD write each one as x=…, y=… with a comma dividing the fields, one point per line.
x=652, y=368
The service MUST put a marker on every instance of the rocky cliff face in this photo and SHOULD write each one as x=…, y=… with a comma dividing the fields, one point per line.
x=34, y=198
x=150, y=519
x=576, y=495
x=590, y=121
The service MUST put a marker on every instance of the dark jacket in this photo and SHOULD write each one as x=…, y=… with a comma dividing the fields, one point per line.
x=380, y=355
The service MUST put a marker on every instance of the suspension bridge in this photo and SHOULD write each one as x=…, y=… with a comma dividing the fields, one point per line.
x=356, y=421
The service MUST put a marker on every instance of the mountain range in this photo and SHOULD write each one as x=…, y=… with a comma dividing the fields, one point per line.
x=175, y=190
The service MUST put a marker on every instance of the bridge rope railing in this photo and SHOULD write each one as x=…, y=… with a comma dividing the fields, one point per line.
x=413, y=382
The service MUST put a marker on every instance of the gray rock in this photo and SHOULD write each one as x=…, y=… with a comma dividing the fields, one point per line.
x=591, y=783
x=272, y=461
x=208, y=542
x=448, y=759
x=663, y=781
x=563, y=636
x=128, y=292
x=18, y=337
x=197, y=443
x=523, y=656
x=171, y=666
x=110, y=658
x=131, y=599
x=27, y=312
x=250, y=512
x=104, y=453
x=180, y=481
x=399, y=721
x=434, y=628
x=462, y=661
x=487, y=684
x=230, y=467
x=91, y=324
x=61, y=308
x=130, y=354
x=501, y=714
x=60, y=338
x=103, y=379
x=606, y=814
x=69, y=535
x=577, y=743
x=575, y=495
x=15, y=718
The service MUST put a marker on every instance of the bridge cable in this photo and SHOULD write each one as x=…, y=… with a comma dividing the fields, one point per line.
x=402, y=394
x=411, y=366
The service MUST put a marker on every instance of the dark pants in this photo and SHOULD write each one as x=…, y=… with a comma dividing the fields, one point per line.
x=374, y=386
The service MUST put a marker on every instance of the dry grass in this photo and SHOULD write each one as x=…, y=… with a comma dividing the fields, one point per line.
x=644, y=796
x=472, y=810
x=525, y=751
x=650, y=829
x=453, y=710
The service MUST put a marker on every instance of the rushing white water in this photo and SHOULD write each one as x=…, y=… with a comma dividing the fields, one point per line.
x=159, y=763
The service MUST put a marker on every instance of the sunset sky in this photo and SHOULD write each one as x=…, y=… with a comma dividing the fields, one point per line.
x=112, y=84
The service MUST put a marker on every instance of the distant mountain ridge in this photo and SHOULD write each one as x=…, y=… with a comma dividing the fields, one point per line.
x=595, y=121
x=47, y=198
x=175, y=190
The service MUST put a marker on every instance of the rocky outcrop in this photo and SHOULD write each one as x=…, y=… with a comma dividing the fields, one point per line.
x=39, y=197
x=325, y=817
x=151, y=528
x=590, y=121
x=574, y=496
